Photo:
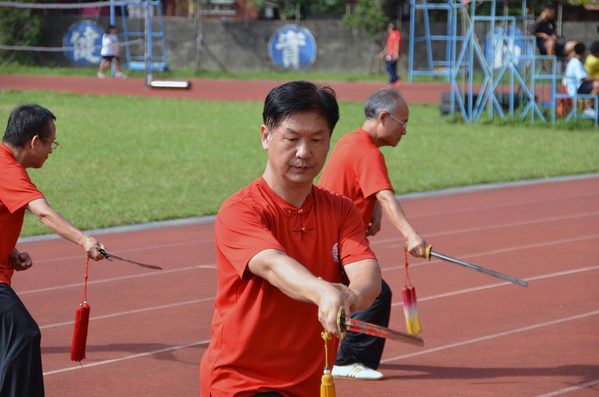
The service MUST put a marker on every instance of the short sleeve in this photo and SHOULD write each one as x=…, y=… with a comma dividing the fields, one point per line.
x=16, y=188
x=353, y=244
x=372, y=174
x=242, y=231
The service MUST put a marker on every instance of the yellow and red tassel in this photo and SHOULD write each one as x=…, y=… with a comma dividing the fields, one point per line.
x=410, y=305
x=81, y=324
x=327, y=387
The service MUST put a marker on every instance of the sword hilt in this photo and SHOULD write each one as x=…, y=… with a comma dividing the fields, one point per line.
x=341, y=325
x=427, y=250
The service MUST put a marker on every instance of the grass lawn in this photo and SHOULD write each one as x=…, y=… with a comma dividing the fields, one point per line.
x=125, y=160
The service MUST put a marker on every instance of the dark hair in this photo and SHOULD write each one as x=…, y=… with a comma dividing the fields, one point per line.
x=294, y=97
x=579, y=48
x=594, y=48
x=549, y=4
x=109, y=28
x=384, y=100
x=25, y=122
x=393, y=25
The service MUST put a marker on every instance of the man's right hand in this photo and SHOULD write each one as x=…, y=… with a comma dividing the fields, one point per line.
x=330, y=301
x=92, y=247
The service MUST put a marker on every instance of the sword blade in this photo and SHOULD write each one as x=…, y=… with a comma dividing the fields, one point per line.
x=109, y=256
x=383, y=332
x=480, y=269
x=345, y=324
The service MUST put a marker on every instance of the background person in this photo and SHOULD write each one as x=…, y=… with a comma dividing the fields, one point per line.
x=544, y=30
x=110, y=53
x=591, y=63
x=392, y=53
x=29, y=139
x=579, y=81
x=281, y=244
x=357, y=170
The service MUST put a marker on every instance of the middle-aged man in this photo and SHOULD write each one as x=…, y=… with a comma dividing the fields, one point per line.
x=281, y=244
x=357, y=170
x=29, y=139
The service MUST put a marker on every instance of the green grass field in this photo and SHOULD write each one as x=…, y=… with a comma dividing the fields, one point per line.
x=125, y=160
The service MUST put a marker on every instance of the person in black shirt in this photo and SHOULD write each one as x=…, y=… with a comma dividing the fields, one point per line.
x=544, y=29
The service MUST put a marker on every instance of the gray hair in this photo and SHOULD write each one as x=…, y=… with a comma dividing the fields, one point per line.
x=384, y=100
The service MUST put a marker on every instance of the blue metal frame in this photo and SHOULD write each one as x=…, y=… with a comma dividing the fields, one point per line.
x=137, y=63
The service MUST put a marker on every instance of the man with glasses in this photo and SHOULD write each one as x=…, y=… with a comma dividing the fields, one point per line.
x=357, y=170
x=29, y=139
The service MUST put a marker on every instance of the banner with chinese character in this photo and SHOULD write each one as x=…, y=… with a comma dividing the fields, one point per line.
x=292, y=48
x=86, y=39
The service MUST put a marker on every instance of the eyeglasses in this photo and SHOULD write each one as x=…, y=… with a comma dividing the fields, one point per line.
x=405, y=125
x=54, y=142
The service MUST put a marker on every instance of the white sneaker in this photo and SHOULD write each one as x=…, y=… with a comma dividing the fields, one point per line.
x=120, y=76
x=101, y=75
x=355, y=371
x=590, y=112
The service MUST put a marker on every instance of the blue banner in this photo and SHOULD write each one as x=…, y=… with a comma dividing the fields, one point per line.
x=86, y=38
x=292, y=48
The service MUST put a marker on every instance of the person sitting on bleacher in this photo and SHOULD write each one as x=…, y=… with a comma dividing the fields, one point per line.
x=544, y=29
x=591, y=64
x=578, y=80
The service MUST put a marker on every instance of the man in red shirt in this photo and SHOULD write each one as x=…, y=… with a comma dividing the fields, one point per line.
x=29, y=139
x=357, y=170
x=282, y=247
x=392, y=53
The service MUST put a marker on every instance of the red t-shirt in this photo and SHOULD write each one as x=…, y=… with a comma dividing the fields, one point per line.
x=357, y=170
x=16, y=191
x=392, y=39
x=262, y=340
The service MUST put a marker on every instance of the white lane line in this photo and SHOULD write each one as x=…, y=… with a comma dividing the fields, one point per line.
x=463, y=291
x=108, y=280
x=488, y=337
x=500, y=251
x=503, y=225
x=147, y=309
x=136, y=249
x=573, y=388
x=115, y=360
x=494, y=206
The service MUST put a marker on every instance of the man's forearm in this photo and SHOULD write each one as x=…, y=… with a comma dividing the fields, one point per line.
x=395, y=213
x=56, y=222
x=366, y=283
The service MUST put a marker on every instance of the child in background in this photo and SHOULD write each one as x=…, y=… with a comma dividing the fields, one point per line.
x=592, y=62
x=110, y=53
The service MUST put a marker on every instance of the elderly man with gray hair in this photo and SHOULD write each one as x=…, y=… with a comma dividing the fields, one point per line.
x=357, y=170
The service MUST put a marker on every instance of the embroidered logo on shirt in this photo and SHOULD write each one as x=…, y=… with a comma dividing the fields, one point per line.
x=335, y=252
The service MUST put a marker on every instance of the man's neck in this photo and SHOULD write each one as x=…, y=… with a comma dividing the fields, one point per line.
x=16, y=152
x=294, y=194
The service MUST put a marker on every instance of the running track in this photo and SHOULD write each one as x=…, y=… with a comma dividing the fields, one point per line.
x=484, y=337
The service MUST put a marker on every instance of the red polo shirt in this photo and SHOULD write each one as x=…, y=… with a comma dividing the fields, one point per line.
x=16, y=191
x=357, y=170
x=262, y=340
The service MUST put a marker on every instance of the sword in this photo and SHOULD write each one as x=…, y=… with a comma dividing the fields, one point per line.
x=110, y=256
x=345, y=324
x=429, y=252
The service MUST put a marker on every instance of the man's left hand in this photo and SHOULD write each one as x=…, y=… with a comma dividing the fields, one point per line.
x=20, y=260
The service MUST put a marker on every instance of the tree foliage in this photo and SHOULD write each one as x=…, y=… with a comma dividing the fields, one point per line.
x=368, y=15
x=20, y=27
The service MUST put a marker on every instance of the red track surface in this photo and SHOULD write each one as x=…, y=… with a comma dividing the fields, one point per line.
x=149, y=329
x=228, y=90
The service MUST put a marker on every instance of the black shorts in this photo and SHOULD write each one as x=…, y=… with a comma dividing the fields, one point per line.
x=109, y=57
x=559, y=49
x=585, y=88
